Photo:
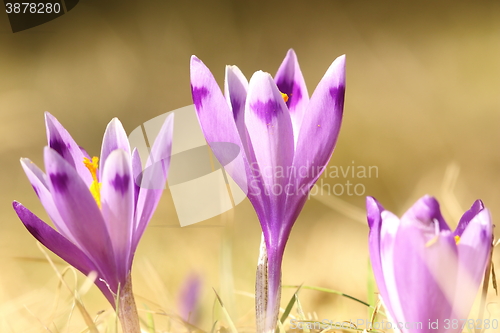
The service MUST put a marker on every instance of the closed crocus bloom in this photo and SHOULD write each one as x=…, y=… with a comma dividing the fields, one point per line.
x=99, y=206
x=285, y=139
x=427, y=274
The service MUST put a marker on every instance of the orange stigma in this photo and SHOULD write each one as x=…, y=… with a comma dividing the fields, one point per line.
x=95, y=187
x=285, y=97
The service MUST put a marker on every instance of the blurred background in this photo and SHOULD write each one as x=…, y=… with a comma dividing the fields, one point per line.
x=422, y=106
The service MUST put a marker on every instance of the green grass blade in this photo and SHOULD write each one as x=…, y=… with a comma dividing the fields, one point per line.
x=289, y=306
x=226, y=314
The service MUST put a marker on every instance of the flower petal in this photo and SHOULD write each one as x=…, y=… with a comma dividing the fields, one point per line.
x=153, y=179
x=476, y=207
x=137, y=172
x=388, y=231
x=80, y=212
x=321, y=124
x=235, y=90
x=117, y=199
x=217, y=122
x=62, y=247
x=61, y=141
x=115, y=137
x=270, y=129
x=474, y=248
x=425, y=275
x=426, y=214
x=290, y=81
x=38, y=181
x=383, y=229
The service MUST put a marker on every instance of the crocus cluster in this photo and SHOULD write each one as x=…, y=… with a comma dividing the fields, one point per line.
x=426, y=273
x=274, y=141
x=285, y=141
x=99, y=206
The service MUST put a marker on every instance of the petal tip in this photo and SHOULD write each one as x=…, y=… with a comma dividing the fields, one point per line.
x=195, y=61
x=373, y=210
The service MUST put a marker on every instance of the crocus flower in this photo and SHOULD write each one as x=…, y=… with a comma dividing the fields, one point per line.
x=189, y=297
x=99, y=206
x=427, y=274
x=285, y=140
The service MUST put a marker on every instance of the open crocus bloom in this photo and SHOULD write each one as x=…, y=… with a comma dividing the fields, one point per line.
x=285, y=139
x=100, y=207
x=425, y=272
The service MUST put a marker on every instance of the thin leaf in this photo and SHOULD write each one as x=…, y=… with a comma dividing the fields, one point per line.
x=213, y=327
x=331, y=291
x=226, y=314
x=301, y=315
x=289, y=306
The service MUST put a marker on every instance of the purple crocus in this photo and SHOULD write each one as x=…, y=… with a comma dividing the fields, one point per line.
x=99, y=206
x=285, y=140
x=427, y=274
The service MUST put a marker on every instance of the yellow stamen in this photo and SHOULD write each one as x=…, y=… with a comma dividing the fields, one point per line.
x=95, y=187
x=285, y=97
x=457, y=239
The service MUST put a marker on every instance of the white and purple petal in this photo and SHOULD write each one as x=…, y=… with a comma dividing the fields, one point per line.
x=290, y=81
x=426, y=214
x=38, y=181
x=217, y=122
x=153, y=179
x=117, y=200
x=476, y=207
x=61, y=141
x=270, y=129
x=474, y=249
x=137, y=173
x=425, y=283
x=115, y=137
x=321, y=122
x=79, y=211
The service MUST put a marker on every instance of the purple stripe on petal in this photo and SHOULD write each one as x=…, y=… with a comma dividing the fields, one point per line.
x=236, y=105
x=199, y=94
x=36, y=190
x=60, y=147
x=61, y=141
x=338, y=94
x=59, y=181
x=37, y=180
x=266, y=110
x=290, y=81
x=292, y=89
x=117, y=201
x=121, y=183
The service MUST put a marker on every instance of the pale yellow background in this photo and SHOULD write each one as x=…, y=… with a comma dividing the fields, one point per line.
x=422, y=104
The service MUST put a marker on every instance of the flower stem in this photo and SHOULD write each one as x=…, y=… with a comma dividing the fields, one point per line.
x=261, y=288
x=267, y=289
x=127, y=311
